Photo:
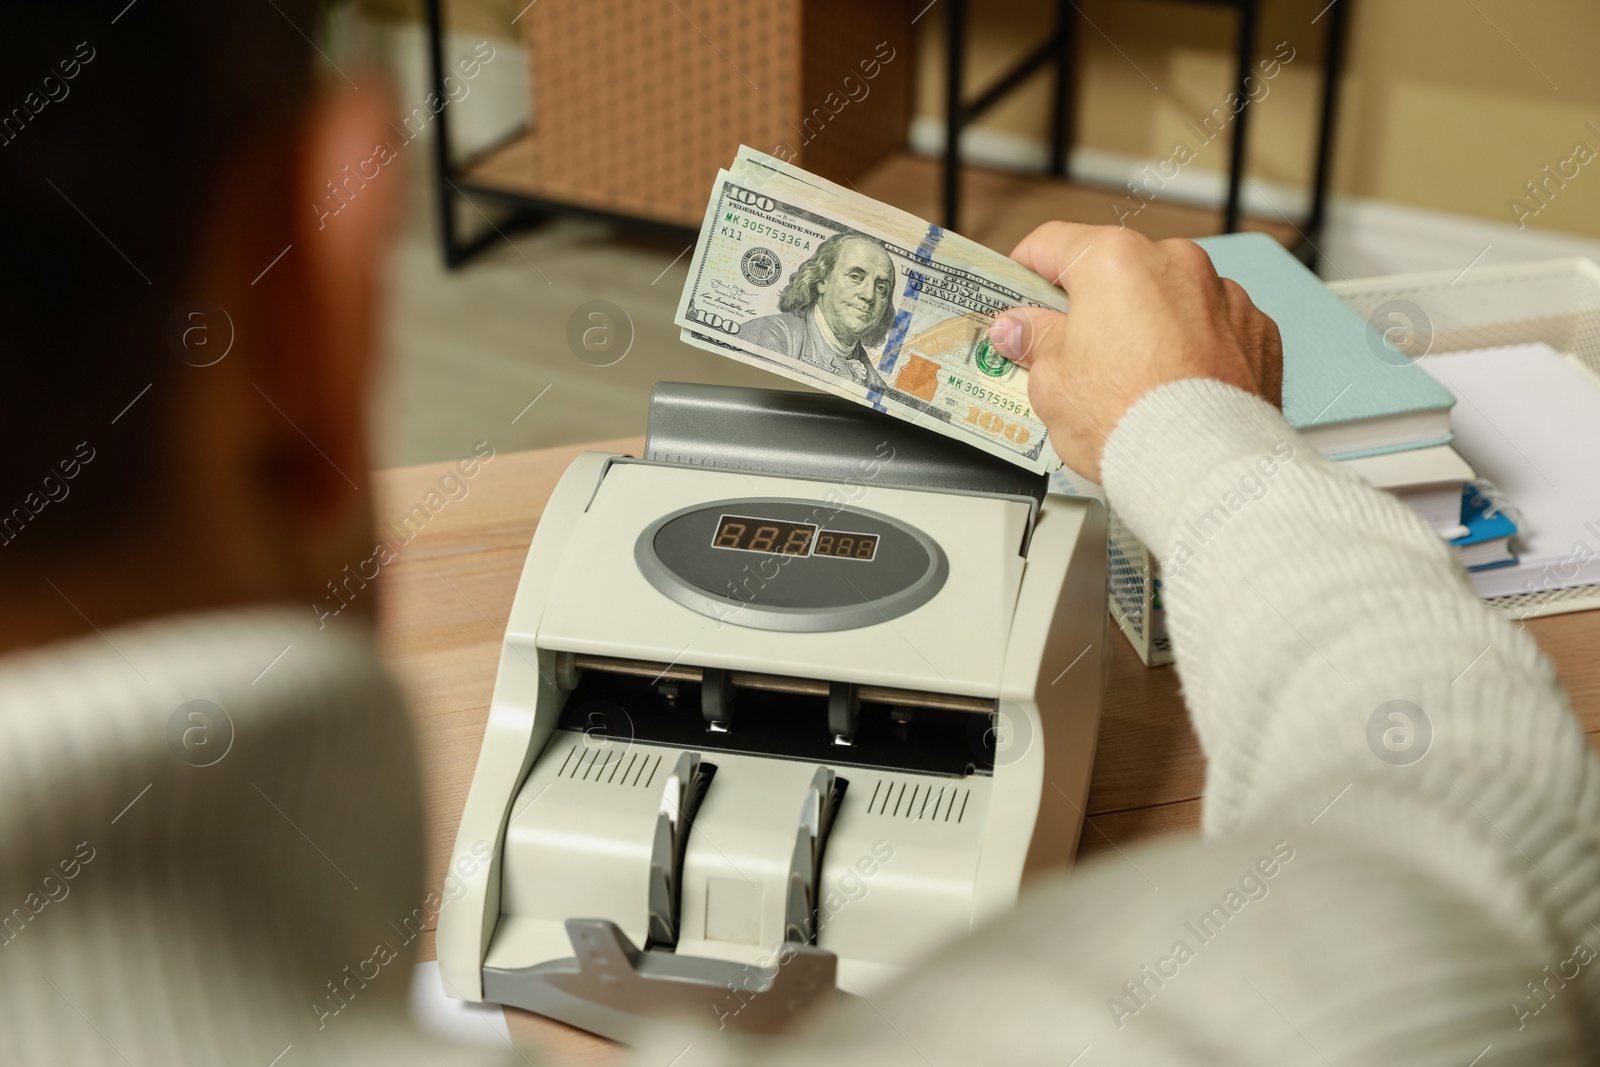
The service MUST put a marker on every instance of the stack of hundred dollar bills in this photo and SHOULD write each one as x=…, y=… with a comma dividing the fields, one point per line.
x=816, y=282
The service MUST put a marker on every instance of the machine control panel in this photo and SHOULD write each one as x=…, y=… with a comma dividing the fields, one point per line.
x=793, y=565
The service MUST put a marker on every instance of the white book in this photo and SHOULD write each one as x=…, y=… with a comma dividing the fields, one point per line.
x=1484, y=553
x=1529, y=422
x=1400, y=429
x=1428, y=480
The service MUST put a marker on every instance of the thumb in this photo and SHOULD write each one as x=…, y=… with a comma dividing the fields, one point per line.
x=1023, y=335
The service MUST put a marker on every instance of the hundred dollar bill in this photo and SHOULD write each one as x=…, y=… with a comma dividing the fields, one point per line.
x=833, y=289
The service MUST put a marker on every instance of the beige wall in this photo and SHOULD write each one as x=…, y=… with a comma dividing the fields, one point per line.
x=1438, y=108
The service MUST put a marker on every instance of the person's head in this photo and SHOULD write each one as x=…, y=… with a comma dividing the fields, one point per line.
x=850, y=280
x=189, y=333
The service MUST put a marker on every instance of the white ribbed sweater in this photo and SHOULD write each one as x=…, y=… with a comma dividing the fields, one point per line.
x=155, y=913
x=1338, y=909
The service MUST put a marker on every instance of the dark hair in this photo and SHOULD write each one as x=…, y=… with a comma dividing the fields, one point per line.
x=116, y=121
x=800, y=294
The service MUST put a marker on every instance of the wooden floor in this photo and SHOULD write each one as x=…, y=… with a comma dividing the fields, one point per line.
x=998, y=208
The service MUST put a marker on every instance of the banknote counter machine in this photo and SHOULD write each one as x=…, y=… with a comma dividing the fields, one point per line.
x=782, y=707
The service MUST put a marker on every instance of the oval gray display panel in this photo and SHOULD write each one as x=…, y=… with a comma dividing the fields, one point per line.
x=796, y=565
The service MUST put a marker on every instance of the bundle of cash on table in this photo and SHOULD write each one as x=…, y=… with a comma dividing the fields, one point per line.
x=816, y=282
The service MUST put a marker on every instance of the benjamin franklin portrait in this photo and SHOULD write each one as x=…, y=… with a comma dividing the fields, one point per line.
x=835, y=307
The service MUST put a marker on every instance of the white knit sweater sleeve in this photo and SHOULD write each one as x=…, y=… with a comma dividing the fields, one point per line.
x=1348, y=902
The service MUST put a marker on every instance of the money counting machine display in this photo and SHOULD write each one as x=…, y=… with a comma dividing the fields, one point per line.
x=782, y=706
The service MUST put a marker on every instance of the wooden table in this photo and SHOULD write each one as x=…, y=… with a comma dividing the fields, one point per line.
x=445, y=600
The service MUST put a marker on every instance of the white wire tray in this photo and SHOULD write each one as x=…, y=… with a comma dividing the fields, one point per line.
x=1555, y=301
x=1428, y=314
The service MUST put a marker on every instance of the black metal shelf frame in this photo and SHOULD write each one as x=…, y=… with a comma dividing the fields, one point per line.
x=1058, y=50
x=453, y=184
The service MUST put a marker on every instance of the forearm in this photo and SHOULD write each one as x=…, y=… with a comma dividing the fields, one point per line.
x=1301, y=601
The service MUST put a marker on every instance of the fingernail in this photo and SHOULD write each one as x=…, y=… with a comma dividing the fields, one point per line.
x=1005, y=335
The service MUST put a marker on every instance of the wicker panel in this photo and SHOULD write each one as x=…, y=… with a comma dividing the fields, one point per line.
x=857, y=83
x=636, y=103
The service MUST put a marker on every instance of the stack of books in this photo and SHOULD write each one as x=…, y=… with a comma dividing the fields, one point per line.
x=1361, y=402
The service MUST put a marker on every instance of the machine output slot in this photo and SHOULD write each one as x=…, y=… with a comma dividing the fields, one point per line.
x=651, y=705
x=776, y=683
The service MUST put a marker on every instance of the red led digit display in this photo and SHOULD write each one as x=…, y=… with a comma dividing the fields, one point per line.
x=781, y=537
x=842, y=544
x=772, y=536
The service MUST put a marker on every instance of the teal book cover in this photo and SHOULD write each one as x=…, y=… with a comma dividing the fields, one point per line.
x=1336, y=366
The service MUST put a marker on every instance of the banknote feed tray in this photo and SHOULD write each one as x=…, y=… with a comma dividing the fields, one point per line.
x=783, y=704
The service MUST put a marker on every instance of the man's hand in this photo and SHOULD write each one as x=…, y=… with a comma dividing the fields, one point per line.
x=1144, y=313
